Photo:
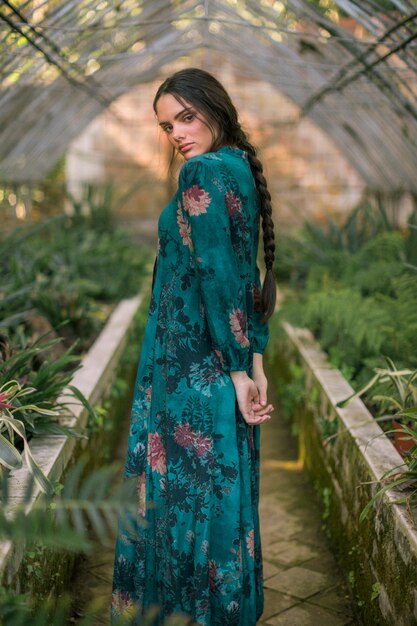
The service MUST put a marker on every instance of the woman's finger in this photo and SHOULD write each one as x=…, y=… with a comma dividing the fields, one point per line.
x=261, y=410
x=262, y=395
x=262, y=385
x=258, y=420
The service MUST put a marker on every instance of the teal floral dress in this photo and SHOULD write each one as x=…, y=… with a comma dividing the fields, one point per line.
x=196, y=548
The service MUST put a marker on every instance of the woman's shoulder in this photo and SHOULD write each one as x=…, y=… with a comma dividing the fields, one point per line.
x=208, y=160
x=209, y=163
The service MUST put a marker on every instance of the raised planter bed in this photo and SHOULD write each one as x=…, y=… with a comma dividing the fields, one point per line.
x=104, y=361
x=345, y=452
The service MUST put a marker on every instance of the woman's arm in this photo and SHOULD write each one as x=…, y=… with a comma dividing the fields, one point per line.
x=204, y=226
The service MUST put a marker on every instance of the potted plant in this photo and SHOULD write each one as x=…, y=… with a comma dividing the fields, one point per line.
x=396, y=397
x=403, y=479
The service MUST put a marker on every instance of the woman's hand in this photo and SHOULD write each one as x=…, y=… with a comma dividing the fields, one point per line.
x=259, y=378
x=248, y=399
x=261, y=383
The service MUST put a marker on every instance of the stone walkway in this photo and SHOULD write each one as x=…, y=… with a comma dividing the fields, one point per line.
x=303, y=586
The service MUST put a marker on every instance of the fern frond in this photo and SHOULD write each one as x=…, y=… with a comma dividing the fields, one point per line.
x=93, y=507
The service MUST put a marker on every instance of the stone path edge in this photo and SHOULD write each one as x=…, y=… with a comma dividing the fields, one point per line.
x=53, y=453
x=384, y=568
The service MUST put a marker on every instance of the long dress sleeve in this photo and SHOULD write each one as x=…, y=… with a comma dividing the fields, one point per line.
x=204, y=204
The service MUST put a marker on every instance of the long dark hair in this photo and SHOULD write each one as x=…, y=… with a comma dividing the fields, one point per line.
x=210, y=98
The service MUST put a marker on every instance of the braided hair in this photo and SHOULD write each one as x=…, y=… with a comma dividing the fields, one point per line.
x=210, y=98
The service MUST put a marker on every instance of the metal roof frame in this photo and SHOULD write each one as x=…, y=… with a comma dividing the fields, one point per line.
x=62, y=62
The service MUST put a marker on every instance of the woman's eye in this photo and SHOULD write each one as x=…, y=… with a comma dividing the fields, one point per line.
x=189, y=117
x=167, y=129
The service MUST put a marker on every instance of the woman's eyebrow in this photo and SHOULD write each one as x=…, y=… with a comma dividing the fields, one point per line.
x=177, y=115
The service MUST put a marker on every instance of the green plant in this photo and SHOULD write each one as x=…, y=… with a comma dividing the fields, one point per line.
x=60, y=270
x=411, y=241
x=10, y=457
x=86, y=509
x=294, y=390
x=403, y=479
x=376, y=590
x=353, y=285
x=397, y=394
x=46, y=378
x=97, y=420
x=397, y=388
x=34, y=556
x=328, y=246
x=95, y=203
x=327, y=500
x=63, y=520
x=41, y=409
x=351, y=578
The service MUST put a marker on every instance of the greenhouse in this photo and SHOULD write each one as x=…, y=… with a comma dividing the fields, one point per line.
x=143, y=478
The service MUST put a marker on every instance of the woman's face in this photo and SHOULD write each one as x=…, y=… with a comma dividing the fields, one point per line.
x=185, y=131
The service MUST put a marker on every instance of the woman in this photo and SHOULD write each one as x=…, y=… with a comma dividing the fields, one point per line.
x=201, y=392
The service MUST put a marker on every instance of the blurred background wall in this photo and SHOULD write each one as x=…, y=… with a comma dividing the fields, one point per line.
x=307, y=174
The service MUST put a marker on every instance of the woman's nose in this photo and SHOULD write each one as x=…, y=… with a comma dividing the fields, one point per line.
x=178, y=134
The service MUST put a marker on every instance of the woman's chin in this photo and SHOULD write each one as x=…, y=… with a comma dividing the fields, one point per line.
x=190, y=153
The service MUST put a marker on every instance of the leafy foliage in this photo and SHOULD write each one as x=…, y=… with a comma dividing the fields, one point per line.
x=400, y=385
x=10, y=457
x=355, y=287
x=86, y=511
x=40, y=411
x=63, y=520
x=55, y=275
x=60, y=269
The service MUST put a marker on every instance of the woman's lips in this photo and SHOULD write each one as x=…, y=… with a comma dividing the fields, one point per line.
x=185, y=147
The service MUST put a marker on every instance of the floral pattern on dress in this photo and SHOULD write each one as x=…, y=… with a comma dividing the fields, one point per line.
x=238, y=325
x=123, y=604
x=196, y=200
x=156, y=453
x=233, y=202
x=204, y=376
x=185, y=230
x=250, y=543
x=194, y=546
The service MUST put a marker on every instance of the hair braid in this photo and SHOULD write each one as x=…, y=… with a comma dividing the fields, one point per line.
x=269, y=286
